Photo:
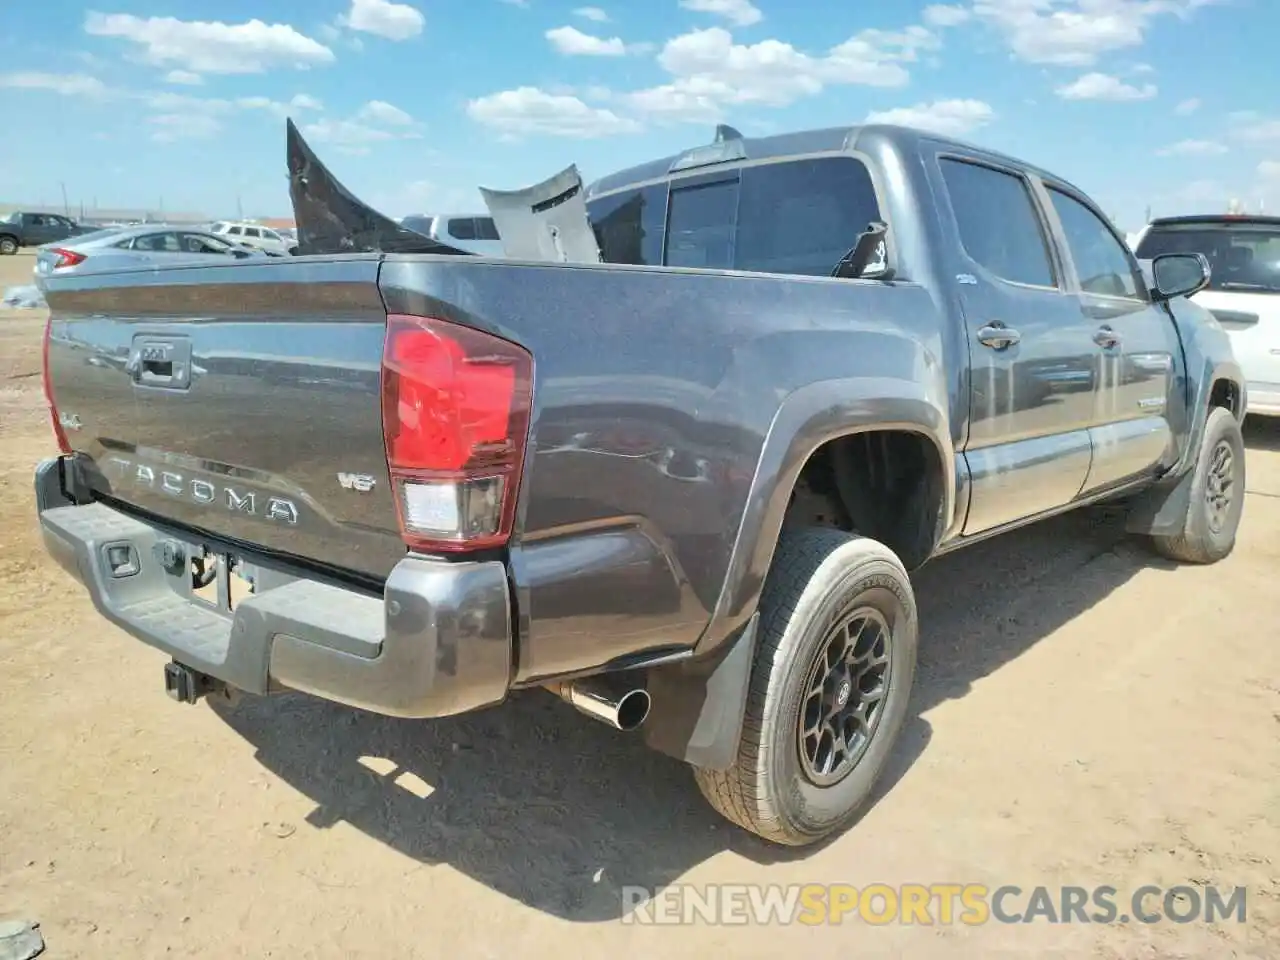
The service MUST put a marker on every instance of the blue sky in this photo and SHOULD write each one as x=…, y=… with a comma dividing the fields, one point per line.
x=138, y=103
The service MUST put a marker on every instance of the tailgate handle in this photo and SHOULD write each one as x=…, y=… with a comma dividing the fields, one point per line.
x=162, y=362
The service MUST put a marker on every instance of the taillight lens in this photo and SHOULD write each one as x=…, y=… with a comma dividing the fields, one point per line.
x=455, y=418
x=66, y=258
x=59, y=434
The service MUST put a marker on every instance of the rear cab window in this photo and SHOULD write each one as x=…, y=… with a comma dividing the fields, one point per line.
x=796, y=216
x=1243, y=255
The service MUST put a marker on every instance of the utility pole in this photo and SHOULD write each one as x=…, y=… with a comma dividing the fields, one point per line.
x=66, y=207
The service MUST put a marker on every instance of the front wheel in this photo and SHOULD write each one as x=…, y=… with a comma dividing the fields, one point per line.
x=834, y=665
x=1208, y=532
x=8, y=246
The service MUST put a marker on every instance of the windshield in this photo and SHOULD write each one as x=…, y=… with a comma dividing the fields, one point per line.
x=1242, y=256
x=12, y=218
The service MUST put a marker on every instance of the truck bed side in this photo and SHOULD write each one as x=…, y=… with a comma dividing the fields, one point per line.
x=655, y=393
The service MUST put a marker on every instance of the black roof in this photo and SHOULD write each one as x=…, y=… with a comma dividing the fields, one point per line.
x=822, y=140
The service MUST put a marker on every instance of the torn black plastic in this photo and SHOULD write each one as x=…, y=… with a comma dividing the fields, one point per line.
x=331, y=219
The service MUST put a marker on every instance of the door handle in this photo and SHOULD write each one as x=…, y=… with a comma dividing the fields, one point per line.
x=1106, y=337
x=997, y=336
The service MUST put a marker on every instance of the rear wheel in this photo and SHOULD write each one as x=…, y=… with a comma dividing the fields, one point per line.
x=835, y=661
x=8, y=246
x=1209, y=528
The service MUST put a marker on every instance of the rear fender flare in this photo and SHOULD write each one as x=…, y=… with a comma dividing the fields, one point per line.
x=806, y=419
x=698, y=703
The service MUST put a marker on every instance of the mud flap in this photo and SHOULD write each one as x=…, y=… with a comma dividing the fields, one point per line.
x=698, y=705
x=1162, y=509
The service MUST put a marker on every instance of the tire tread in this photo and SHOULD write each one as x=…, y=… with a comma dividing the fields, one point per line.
x=738, y=793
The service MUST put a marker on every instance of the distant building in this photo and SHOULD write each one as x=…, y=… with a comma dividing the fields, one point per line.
x=94, y=215
x=107, y=214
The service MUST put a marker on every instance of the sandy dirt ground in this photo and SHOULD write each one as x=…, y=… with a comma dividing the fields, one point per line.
x=1085, y=715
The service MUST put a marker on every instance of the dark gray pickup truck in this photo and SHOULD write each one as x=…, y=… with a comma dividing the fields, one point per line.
x=683, y=489
x=20, y=229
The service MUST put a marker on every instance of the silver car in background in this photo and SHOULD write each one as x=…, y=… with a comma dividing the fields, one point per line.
x=139, y=244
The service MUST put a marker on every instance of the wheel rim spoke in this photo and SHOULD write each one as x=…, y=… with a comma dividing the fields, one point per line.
x=1220, y=485
x=844, y=695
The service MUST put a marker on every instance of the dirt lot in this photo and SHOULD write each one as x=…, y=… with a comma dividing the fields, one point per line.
x=1085, y=715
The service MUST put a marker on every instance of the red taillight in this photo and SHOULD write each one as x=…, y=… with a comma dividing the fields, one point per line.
x=66, y=258
x=455, y=418
x=58, y=433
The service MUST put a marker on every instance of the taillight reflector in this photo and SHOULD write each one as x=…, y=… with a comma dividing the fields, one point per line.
x=66, y=258
x=59, y=434
x=455, y=418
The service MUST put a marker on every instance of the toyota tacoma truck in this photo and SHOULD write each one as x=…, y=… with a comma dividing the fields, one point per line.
x=684, y=489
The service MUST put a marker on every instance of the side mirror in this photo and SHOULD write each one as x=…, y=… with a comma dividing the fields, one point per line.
x=1179, y=275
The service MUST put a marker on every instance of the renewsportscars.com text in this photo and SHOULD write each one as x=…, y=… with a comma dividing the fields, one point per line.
x=929, y=904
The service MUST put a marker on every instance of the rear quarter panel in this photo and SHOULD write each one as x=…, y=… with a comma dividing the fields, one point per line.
x=655, y=392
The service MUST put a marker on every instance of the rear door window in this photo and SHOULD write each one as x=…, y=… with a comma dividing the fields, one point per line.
x=999, y=226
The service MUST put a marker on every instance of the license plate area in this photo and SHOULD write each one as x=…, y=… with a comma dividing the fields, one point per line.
x=221, y=581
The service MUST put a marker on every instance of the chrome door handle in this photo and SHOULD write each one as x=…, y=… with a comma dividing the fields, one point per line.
x=997, y=336
x=1106, y=337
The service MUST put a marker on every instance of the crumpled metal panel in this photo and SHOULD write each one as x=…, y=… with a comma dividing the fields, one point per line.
x=545, y=222
x=331, y=219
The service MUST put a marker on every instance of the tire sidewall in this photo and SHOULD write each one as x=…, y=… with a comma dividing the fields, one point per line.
x=8, y=247
x=1222, y=425
x=816, y=810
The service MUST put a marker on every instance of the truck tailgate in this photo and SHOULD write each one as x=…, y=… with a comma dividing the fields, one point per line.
x=240, y=400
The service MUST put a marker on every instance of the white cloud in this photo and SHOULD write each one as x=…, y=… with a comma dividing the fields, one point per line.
x=184, y=78
x=281, y=109
x=573, y=42
x=344, y=133
x=66, y=84
x=393, y=21
x=1192, y=148
x=1252, y=127
x=179, y=116
x=528, y=110
x=169, y=127
x=1269, y=169
x=951, y=118
x=710, y=71
x=1187, y=107
x=212, y=46
x=740, y=13
x=594, y=14
x=945, y=15
x=379, y=111
x=1103, y=86
x=1076, y=32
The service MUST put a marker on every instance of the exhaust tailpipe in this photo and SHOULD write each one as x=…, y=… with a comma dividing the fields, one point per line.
x=620, y=705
